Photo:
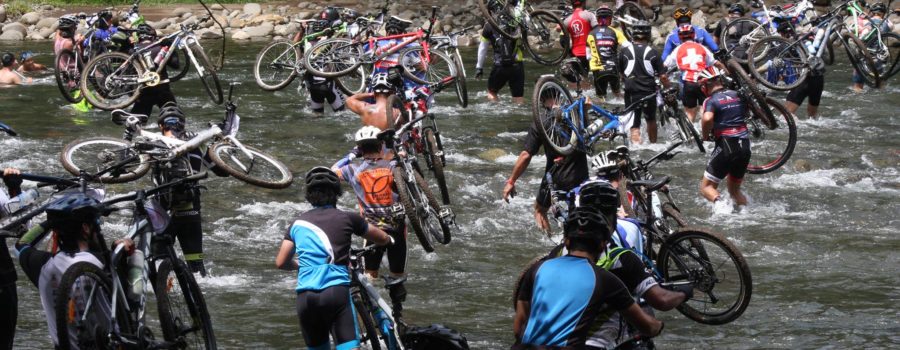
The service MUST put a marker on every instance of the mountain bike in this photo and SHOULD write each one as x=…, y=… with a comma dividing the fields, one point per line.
x=140, y=148
x=782, y=64
x=543, y=34
x=429, y=220
x=883, y=45
x=741, y=33
x=115, y=80
x=449, y=45
x=671, y=114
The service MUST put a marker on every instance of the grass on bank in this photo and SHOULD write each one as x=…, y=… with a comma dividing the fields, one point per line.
x=16, y=8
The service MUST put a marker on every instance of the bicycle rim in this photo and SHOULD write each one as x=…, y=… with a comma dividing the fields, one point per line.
x=689, y=131
x=892, y=42
x=261, y=170
x=861, y=59
x=353, y=83
x=276, y=65
x=182, y=309
x=778, y=63
x=545, y=38
x=99, y=153
x=462, y=91
x=436, y=159
x=208, y=75
x=550, y=97
x=332, y=58
x=110, y=81
x=499, y=14
x=412, y=207
x=434, y=68
x=83, y=312
x=771, y=148
x=737, y=40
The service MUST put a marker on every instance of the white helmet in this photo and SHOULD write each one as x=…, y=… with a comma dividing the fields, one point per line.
x=381, y=83
x=605, y=164
x=367, y=133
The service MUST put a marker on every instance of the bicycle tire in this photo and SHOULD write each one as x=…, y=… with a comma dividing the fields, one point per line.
x=185, y=64
x=117, y=151
x=440, y=69
x=549, y=120
x=207, y=73
x=861, y=60
x=687, y=128
x=283, y=176
x=892, y=41
x=778, y=49
x=631, y=9
x=462, y=91
x=782, y=140
x=758, y=105
x=93, y=332
x=671, y=215
x=401, y=117
x=441, y=231
x=552, y=46
x=67, y=74
x=739, y=50
x=353, y=83
x=411, y=207
x=492, y=14
x=326, y=58
x=687, y=247
x=624, y=199
x=275, y=73
x=436, y=155
x=182, y=306
x=368, y=331
x=94, y=82
x=828, y=55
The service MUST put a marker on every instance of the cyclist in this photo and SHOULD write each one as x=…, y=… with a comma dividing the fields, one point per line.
x=868, y=23
x=811, y=87
x=160, y=94
x=75, y=222
x=640, y=66
x=602, y=50
x=682, y=16
x=324, y=89
x=320, y=238
x=371, y=179
x=559, y=299
x=509, y=66
x=8, y=73
x=28, y=64
x=690, y=58
x=723, y=122
x=66, y=37
x=105, y=27
x=374, y=113
x=9, y=301
x=579, y=24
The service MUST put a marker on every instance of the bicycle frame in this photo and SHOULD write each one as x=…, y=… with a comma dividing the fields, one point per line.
x=383, y=315
x=380, y=53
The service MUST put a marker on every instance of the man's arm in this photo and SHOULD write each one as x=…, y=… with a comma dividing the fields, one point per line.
x=284, y=260
x=520, y=320
x=706, y=124
x=646, y=324
x=518, y=169
x=707, y=39
x=375, y=234
x=663, y=299
x=357, y=104
x=482, y=53
x=667, y=49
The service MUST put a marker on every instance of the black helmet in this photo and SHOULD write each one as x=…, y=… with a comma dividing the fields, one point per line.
x=330, y=14
x=878, y=7
x=322, y=176
x=73, y=209
x=349, y=15
x=599, y=195
x=585, y=222
x=736, y=7
x=146, y=32
x=641, y=29
x=7, y=59
x=604, y=11
x=67, y=22
x=171, y=116
x=396, y=25
x=682, y=14
x=104, y=19
x=319, y=25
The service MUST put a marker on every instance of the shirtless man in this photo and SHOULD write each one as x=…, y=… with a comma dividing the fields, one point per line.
x=374, y=113
x=27, y=63
x=8, y=74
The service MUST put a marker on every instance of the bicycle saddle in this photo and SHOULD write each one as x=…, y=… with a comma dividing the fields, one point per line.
x=651, y=185
x=120, y=117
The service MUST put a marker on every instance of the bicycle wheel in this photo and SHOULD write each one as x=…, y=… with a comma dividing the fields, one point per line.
x=110, y=81
x=82, y=308
x=861, y=59
x=333, y=58
x=255, y=168
x=368, y=333
x=400, y=115
x=411, y=207
x=688, y=129
x=184, y=64
x=182, y=308
x=549, y=99
x=67, y=76
x=276, y=65
x=777, y=63
x=770, y=149
x=436, y=160
x=546, y=39
x=757, y=101
x=98, y=153
x=353, y=83
x=739, y=34
x=207, y=74
x=500, y=14
x=439, y=231
x=432, y=68
x=462, y=91
x=672, y=218
x=718, y=271
x=892, y=42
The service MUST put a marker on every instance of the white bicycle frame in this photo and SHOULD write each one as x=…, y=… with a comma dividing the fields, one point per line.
x=178, y=148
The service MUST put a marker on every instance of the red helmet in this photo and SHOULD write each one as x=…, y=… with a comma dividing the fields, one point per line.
x=709, y=75
x=686, y=32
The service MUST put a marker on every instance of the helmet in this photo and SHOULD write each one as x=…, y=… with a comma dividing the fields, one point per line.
x=641, y=29
x=709, y=75
x=604, y=164
x=330, y=14
x=569, y=69
x=367, y=133
x=736, y=7
x=878, y=7
x=577, y=2
x=396, y=25
x=682, y=15
x=146, y=32
x=686, y=32
x=67, y=22
x=171, y=117
x=600, y=195
x=73, y=209
x=604, y=11
x=320, y=25
x=585, y=222
x=381, y=84
x=349, y=15
x=104, y=19
x=322, y=176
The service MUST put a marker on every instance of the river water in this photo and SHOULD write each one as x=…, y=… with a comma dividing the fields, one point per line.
x=821, y=235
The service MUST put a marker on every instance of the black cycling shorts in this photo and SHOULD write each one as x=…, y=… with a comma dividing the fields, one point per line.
x=9, y=309
x=152, y=96
x=325, y=312
x=648, y=111
x=604, y=80
x=729, y=158
x=812, y=87
x=691, y=95
x=396, y=253
x=514, y=75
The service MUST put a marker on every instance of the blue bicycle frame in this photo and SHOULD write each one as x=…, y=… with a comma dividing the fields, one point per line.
x=585, y=141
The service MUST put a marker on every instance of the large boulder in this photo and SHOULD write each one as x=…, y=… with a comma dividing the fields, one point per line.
x=2, y=13
x=46, y=32
x=15, y=27
x=259, y=31
x=45, y=23
x=11, y=35
x=209, y=33
x=240, y=35
x=36, y=36
x=236, y=23
x=179, y=11
x=160, y=24
x=252, y=9
x=268, y=18
x=30, y=18
x=216, y=7
x=699, y=19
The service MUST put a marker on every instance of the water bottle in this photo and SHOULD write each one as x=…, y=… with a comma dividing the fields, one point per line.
x=161, y=55
x=595, y=127
x=136, y=273
x=148, y=60
x=24, y=199
x=656, y=204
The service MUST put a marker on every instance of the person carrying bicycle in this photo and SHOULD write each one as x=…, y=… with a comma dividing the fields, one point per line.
x=161, y=94
x=735, y=11
x=682, y=16
x=875, y=19
x=690, y=58
x=559, y=299
x=322, y=90
x=579, y=24
x=66, y=37
x=320, y=238
x=640, y=66
x=723, y=122
x=509, y=65
x=9, y=301
x=372, y=106
x=371, y=179
x=603, y=43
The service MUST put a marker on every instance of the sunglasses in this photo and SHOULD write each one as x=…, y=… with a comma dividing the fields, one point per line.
x=173, y=123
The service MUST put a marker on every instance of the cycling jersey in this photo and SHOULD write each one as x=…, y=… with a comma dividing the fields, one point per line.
x=570, y=172
x=690, y=58
x=566, y=294
x=603, y=47
x=101, y=35
x=372, y=182
x=507, y=52
x=701, y=36
x=729, y=112
x=628, y=267
x=579, y=25
x=640, y=65
x=322, y=238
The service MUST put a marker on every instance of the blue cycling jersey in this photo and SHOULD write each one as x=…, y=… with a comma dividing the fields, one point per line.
x=322, y=239
x=701, y=36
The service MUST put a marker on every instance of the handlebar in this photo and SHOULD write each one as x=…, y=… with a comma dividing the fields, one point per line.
x=140, y=194
x=361, y=252
x=50, y=180
x=664, y=155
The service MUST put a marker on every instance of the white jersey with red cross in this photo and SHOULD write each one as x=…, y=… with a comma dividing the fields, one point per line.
x=690, y=58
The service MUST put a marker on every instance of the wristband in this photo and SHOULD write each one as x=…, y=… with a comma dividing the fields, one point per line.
x=510, y=182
